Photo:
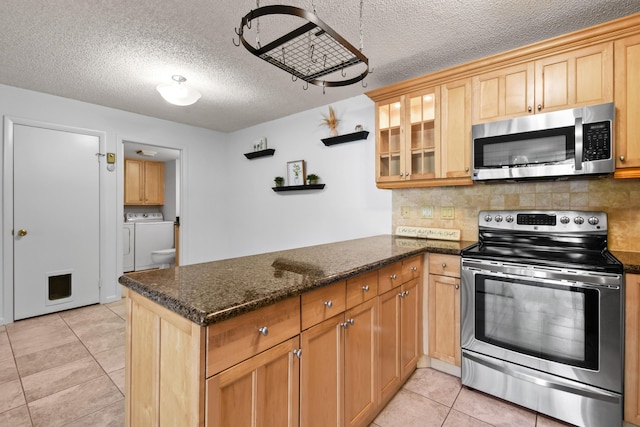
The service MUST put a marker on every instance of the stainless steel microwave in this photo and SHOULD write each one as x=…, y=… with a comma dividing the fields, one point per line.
x=563, y=143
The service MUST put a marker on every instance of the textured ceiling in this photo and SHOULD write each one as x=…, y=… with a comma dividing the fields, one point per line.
x=115, y=52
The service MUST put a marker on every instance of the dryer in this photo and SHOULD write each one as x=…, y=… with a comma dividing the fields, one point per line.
x=150, y=233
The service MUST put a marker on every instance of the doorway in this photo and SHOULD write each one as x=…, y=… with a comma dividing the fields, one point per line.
x=56, y=219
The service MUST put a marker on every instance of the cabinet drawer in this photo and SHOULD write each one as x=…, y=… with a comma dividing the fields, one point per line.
x=444, y=265
x=323, y=303
x=362, y=288
x=411, y=268
x=239, y=338
x=389, y=277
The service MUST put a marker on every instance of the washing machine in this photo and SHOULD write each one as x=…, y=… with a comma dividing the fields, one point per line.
x=151, y=233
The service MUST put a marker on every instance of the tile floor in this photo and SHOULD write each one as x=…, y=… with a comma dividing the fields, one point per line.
x=67, y=369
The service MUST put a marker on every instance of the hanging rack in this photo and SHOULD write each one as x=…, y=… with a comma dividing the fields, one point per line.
x=292, y=53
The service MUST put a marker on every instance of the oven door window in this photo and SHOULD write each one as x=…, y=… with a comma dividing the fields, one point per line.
x=557, y=323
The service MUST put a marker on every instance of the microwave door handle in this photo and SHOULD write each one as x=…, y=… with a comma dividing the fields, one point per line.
x=578, y=143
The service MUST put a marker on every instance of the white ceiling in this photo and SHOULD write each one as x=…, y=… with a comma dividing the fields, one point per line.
x=115, y=52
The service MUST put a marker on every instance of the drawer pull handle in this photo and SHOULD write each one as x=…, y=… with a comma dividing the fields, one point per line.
x=444, y=265
x=329, y=304
x=264, y=331
x=393, y=277
x=297, y=353
x=365, y=288
x=351, y=322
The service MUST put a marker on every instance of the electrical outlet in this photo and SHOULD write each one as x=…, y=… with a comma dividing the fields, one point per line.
x=447, y=212
x=405, y=212
x=426, y=212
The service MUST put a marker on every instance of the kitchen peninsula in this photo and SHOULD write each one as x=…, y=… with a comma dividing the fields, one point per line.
x=296, y=336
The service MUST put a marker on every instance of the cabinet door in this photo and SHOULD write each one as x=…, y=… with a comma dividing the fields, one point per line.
x=133, y=182
x=504, y=93
x=455, y=126
x=261, y=391
x=579, y=77
x=632, y=350
x=409, y=330
x=422, y=143
x=360, y=364
x=388, y=344
x=627, y=66
x=444, y=318
x=389, y=140
x=154, y=183
x=321, y=372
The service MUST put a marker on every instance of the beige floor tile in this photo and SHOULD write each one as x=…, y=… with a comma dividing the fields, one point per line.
x=544, y=421
x=2, y=328
x=111, y=416
x=119, y=308
x=38, y=336
x=50, y=358
x=86, y=315
x=45, y=383
x=112, y=359
x=458, y=419
x=8, y=371
x=494, y=411
x=24, y=324
x=97, y=326
x=11, y=395
x=97, y=343
x=118, y=379
x=411, y=409
x=16, y=417
x=5, y=347
x=435, y=385
x=74, y=403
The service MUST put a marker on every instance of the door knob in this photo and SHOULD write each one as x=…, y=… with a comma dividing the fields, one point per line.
x=22, y=232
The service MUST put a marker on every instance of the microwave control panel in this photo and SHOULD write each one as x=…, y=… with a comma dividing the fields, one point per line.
x=596, y=141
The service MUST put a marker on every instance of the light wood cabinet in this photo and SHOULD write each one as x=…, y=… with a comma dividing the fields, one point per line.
x=262, y=391
x=632, y=349
x=627, y=96
x=423, y=138
x=143, y=182
x=444, y=308
x=572, y=79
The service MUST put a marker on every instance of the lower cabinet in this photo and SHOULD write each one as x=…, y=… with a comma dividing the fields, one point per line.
x=632, y=349
x=444, y=308
x=261, y=391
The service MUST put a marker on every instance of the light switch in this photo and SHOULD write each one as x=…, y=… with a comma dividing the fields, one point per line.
x=405, y=212
x=426, y=212
x=447, y=212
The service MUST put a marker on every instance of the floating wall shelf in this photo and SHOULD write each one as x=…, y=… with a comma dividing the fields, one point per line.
x=261, y=153
x=298, y=187
x=341, y=139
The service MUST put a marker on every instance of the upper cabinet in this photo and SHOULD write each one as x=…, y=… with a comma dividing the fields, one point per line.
x=627, y=93
x=575, y=78
x=423, y=137
x=143, y=182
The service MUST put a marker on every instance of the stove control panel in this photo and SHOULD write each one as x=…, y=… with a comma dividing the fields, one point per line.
x=543, y=221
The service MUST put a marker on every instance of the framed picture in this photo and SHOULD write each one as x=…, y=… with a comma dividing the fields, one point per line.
x=296, y=173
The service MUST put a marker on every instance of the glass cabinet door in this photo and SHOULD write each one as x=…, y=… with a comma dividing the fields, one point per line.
x=389, y=140
x=421, y=151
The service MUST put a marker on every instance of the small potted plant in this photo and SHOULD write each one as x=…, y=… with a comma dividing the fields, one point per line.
x=312, y=178
x=331, y=121
x=279, y=181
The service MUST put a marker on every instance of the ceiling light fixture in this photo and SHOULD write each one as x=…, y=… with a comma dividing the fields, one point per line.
x=178, y=93
x=312, y=52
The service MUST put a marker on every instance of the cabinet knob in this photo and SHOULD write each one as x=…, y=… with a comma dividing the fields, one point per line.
x=529, y=109
x=264, y=331
x=457, y=286
x=401, y=294
x=351, y=322
x=414, y=268
x=365, y=288
x=444, y=265
x=344, y=325
x=401, y=174
x=297, y=352
x=466, y=169
x=622, y=158
x=393, y=277
x=406, y=293
x=539, y=107
x=329, y=304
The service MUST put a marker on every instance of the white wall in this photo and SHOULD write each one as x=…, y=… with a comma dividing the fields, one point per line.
x=228, y=208
x=350, y=206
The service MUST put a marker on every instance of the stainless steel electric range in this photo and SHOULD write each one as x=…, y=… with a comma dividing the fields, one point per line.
x=542, y=318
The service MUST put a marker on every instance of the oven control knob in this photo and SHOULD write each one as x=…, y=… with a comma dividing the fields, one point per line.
x=594, y=220
x=487, y=218
x=565, y=220
x=509, y=218
x=498, y=218
x=578, y=220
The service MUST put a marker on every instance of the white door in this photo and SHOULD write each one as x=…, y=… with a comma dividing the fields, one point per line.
x=56, y=220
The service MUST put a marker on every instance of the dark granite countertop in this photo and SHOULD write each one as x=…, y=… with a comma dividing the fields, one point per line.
x=214, y=291
x=630, y=260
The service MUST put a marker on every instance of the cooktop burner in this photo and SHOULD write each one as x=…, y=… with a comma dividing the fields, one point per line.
x=562, y=239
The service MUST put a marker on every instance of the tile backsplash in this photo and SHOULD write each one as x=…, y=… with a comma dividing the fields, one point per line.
x=430, y=207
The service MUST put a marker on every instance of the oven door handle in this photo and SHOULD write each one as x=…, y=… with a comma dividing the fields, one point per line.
x=579, y=143
x=546, y=380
